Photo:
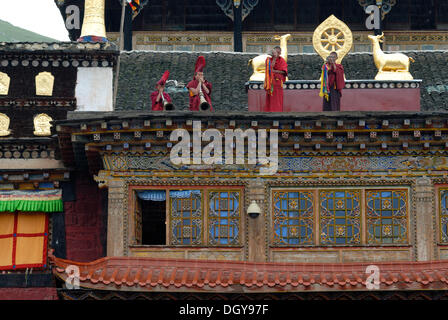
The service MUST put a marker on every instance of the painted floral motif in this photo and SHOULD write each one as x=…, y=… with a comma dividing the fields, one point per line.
x=340, y=204
x=340, y=231
x=293, y=204
x=387, y=230
x=387, y=204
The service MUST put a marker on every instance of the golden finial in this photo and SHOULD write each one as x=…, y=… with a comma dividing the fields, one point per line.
x=93, y=27
x=332, y=35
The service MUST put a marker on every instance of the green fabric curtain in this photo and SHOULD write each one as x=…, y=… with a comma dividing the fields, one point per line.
x=31, y=205
x=31, y=201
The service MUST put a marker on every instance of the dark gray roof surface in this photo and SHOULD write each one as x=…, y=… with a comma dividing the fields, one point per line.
x=229, y=72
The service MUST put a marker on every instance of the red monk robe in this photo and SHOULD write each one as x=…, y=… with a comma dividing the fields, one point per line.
x=194, y=99
x=274, y=101
x=336, y=83
x=158, y=105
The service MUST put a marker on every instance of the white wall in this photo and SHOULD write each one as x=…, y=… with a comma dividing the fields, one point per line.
x=94, y=89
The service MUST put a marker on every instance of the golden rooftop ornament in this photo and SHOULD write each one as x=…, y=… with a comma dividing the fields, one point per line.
x=93, y=24
x=42, y=126
x=44, y=84
x=259, y=62
x=4, y=83
x=391, y=66
x=332, y=35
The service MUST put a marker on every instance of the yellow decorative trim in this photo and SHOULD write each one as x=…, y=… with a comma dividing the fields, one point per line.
x=44, y=84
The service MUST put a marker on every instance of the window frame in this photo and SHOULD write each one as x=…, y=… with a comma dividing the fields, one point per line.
x=205, y=191
x=407, y=217
x=439, y=217
x=362, y=218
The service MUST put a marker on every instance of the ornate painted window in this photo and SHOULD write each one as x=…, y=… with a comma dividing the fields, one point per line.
x=293, y=217
x=444, y=215
x=224, y=213
x=339, y=219
x=386, y=216
x=186, y=217
x=205, y=216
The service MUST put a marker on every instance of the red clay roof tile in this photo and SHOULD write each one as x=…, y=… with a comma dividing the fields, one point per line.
x=124, y=273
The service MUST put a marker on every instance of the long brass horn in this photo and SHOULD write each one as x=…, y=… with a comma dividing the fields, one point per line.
x=167, y=106
x=203, y=105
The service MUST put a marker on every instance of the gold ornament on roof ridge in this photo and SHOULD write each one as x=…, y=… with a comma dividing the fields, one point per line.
x=391, y=66
x=332, y=35
x=259, y=62
x=44, y=84
x=93, y=24
x=4, y=125
x=5, y=80
x=42, y=126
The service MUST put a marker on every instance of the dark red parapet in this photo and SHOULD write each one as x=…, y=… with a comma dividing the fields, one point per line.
x=359, y=95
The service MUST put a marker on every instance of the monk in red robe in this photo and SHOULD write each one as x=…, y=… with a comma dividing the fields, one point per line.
x=336, y=83
x=199, y=84
x=158, y=96
x=276, y=73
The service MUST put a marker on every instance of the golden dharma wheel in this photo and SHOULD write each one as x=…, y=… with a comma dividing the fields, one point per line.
x=332, y=35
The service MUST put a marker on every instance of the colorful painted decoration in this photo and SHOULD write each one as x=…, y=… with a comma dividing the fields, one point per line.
x=224, y=217
x=386, y=216
x=186, y=217
x=340, y=217
x=443, y=215
x=293, y=220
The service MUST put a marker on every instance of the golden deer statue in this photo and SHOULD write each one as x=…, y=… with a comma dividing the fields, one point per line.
x=391, y=66
x=259, y=62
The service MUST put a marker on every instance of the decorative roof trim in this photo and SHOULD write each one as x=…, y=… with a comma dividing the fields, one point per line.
x=149, y=274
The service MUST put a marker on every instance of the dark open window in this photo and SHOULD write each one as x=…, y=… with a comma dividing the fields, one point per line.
x=153, y=222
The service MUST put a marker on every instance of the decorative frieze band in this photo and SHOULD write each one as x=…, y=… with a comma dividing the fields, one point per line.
x=55, y=62
x=68, y=103
x=350, y=84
